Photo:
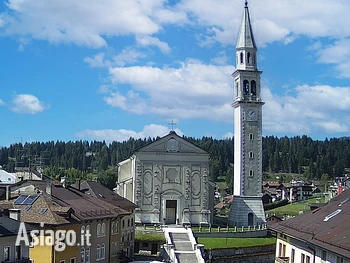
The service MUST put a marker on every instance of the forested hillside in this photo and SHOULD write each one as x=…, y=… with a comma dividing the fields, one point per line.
x=85, y=159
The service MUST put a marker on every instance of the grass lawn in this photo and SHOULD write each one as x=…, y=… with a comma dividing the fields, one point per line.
x=235, y=242
x=149, y=237
x=294, y=208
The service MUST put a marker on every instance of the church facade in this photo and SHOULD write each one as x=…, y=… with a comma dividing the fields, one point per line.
x=169, y=182
x=247, y=207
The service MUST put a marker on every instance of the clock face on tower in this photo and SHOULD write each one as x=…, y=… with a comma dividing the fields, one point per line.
x=251, y=115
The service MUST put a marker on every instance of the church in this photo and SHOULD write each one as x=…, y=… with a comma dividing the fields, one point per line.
x=169, y=182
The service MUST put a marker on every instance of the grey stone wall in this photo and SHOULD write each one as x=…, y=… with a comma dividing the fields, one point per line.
x=254, y=254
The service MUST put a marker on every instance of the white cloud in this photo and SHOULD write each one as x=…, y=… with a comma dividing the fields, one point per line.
x=2, y=102
x=192, y=90
x=228, y=135
x=97, y=61
x=90, y=22
x=82, y=23
x=311, y=109
x=109, y=135
x=337, y=54
x=153, y=41
x=128, y=55
x=27, y=103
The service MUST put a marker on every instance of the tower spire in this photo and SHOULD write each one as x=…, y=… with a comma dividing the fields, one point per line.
x=245, y=36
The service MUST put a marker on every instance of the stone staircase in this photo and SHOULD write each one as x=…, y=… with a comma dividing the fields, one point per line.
x=181, y=246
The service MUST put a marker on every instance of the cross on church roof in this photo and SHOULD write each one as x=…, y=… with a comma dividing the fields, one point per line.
x=246, y=3
x=172, y=124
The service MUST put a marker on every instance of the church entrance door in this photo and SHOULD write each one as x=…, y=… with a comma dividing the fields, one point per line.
x=171, y=212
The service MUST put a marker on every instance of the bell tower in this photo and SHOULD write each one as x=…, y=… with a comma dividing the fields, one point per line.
x=247, y=208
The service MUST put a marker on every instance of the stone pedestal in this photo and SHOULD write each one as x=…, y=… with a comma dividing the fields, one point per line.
x=246, y=211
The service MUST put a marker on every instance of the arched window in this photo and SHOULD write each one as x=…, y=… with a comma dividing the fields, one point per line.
x=248, y=58
x=251, y=155
x=98, y=252
x=250, y=219
x=112, y=227
x=116, y=227
x=241, y=57
x=98, y=229
x=103, y=251
x=253, y=85
x=87, y=255
x=103, y=230
x=82, y=233
x=251, y=173
x=251, y=136
x=245, y=87
x=123, y=223
x=82, y=255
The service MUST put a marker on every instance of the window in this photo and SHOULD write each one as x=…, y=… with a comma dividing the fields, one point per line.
x=251, y=136
x=132, y=222
x=62, y=261
x=248, y=58
x=103, y=251
x=307, y=259
x=112, y=227
x=6, y=253
x=98, y=229
x=253, y=85
x=251, y=173
x=98, y=252
x=128, y=222
x=82, y=255
x=72, y=260
x=302, y=258
x=88, y=229
x=116, y=227
x=245, y=87
x=123, y=223
x=82, y=234
x=340, y=259
x=18, y=252
x=292, y=256
x=87, y=255
x=103, y=230
x=324, y=255
x=251, y=155
x=241, y=57
x=43, y=211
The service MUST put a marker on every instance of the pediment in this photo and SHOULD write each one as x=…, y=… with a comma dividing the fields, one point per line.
x=172, y=143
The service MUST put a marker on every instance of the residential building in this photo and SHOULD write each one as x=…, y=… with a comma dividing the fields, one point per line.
x=125, y=227
x=62, y=207
x=9, y=252
x=318, y=236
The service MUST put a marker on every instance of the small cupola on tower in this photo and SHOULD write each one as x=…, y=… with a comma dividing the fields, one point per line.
x=246, y=47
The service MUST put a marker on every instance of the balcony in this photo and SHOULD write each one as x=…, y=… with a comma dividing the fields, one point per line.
x=23, y=260
x=282, y=260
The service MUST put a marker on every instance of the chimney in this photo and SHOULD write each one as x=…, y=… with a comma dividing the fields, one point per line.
x=48, y=188
x=8, y=192
x=15, y=214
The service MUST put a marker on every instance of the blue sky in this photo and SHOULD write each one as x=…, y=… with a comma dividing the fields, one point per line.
x=114, y=69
